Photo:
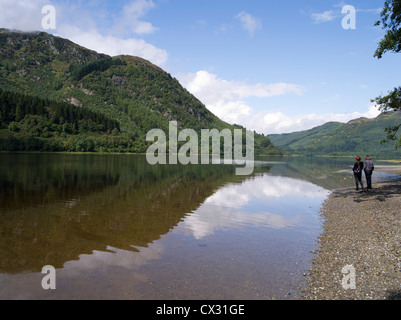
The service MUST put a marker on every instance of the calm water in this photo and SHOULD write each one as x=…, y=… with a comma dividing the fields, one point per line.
x=115, y=227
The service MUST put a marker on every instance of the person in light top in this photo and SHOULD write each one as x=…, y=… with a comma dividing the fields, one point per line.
x=368, y=168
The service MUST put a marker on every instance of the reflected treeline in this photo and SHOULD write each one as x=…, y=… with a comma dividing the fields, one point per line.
x=56, y=207
x=33, y=179
x=321, y=171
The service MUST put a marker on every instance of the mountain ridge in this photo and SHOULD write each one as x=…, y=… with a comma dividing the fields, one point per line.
x=357, y=136
x=131, y=90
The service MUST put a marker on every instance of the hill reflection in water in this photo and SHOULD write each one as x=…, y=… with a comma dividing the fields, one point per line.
x=116, y=228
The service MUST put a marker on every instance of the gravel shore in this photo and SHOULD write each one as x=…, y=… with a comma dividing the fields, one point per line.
x=362, y=230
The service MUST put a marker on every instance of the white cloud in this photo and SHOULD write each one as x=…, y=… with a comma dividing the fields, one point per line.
x=226, y=98
x=211, y=88
x=249, y=22
x=24, y=15
x=227, y=208
x=278, y=122
x=120, y=39
x=138, y=8
x=224, y=28
x=325, y=16
x=114, y=46
x=130, y=19
x=330, y=15
x=374, y=11
x=82, y=28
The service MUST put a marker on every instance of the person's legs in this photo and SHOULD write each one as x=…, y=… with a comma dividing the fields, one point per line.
x=368, y=176
x=358, y=180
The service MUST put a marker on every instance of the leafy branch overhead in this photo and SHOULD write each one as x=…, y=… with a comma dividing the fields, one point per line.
x=390, y=21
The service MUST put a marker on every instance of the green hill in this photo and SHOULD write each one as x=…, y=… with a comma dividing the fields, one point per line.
x=360, y=136
x=121, y=99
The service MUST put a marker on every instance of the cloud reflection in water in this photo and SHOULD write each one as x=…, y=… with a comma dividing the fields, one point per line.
x=263, y=201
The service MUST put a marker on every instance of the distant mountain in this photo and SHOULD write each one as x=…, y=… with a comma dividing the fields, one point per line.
x=121, y=99
x=360, y=136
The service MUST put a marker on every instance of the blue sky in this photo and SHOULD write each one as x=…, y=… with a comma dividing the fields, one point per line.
x=272, y=66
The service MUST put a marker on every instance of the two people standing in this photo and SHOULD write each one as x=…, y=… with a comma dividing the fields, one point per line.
x=366, y=167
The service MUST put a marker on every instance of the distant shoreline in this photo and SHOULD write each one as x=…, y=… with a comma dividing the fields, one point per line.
x=396, y=169
x=257, y=155
x=360, y=229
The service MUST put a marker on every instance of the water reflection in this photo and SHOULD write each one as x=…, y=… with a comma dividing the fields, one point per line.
x=55, y=208
x=116, y=227
x=264, y=202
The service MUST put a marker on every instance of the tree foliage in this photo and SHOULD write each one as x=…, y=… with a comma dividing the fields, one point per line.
x=390, y=21
x=80, y=71
x=34, y=124
x=16, y=106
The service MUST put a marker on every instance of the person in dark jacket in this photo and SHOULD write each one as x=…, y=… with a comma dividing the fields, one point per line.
x=368, y=168
x=357, y=169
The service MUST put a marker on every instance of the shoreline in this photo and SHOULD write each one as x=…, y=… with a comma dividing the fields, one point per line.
x=362, y=230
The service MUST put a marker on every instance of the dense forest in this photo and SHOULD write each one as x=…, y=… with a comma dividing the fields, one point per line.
x=30, y=123
x=80, y=71
x=58, y=96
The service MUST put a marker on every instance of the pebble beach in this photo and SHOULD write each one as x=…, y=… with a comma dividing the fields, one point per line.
x=361, y=233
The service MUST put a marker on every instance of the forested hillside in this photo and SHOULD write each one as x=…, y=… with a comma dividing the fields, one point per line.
x=109, y=103
x=35, y=124
x=360, y=136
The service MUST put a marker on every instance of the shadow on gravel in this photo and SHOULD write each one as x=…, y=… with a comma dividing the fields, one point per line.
x=380, y=194
x=394, y=295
